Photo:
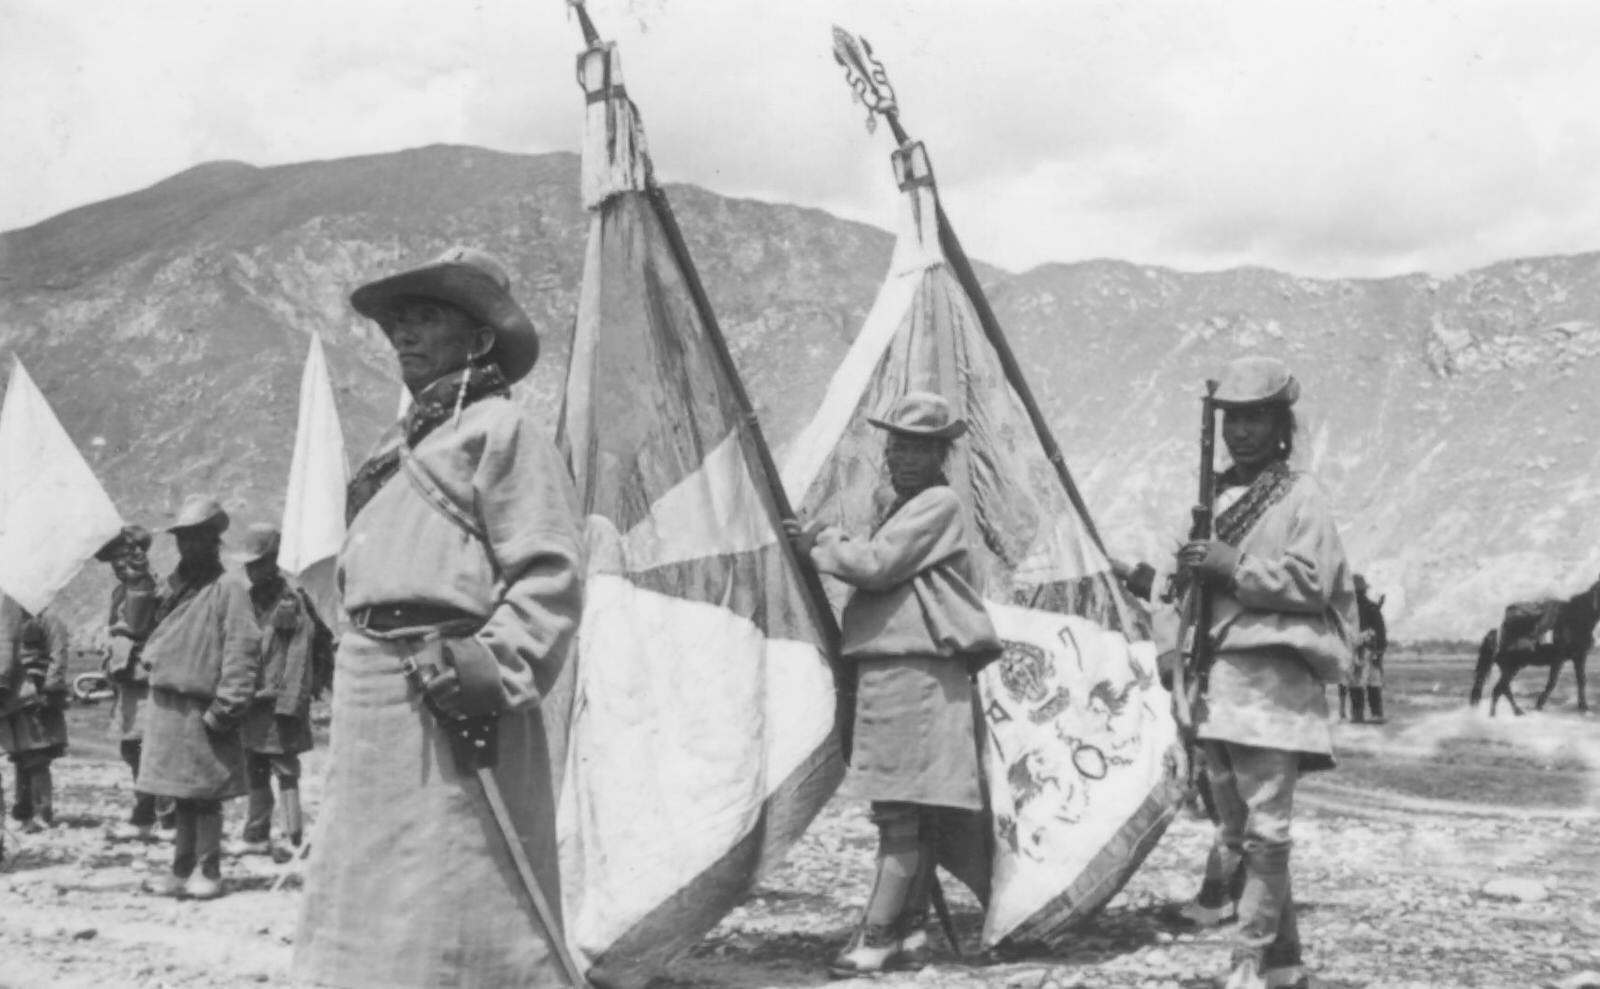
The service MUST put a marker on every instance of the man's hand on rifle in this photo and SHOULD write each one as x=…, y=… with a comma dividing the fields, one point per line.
x=1210, y=560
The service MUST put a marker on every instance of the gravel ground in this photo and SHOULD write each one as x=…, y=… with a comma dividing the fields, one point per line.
x=1447, y=851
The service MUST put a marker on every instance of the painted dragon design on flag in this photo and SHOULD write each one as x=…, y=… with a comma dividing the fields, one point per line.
x=1083, y=765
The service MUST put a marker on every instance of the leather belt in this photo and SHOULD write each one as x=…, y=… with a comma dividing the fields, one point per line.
x=392, y=617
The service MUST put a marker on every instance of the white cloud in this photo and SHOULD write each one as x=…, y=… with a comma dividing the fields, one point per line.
x=1331, y=137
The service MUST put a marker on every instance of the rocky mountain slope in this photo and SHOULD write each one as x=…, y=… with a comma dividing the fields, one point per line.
x=1448, y=418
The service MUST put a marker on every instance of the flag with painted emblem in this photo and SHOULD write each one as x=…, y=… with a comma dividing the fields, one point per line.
x=54, y=514
x=703, y=736
x=1081, y=755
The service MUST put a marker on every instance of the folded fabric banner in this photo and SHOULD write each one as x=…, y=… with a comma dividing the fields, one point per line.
x=1083, y=764
x=703, y=736
x=313, y=509
x=54, y=515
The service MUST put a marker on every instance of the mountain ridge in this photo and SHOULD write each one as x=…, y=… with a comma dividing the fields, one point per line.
x=1446, y=416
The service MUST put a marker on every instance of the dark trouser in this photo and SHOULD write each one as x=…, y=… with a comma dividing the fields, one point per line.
x=1254, y=788
x=1357, y=697
x=262, y=766
x=144, y=804
x=35, y=787
x=1375, y=702
x=198, y=838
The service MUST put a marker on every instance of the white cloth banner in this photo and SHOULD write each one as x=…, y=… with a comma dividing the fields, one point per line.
x=313, y=509
x=54, y=515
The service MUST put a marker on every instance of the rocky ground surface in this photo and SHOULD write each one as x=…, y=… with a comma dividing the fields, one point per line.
x=1447, y=851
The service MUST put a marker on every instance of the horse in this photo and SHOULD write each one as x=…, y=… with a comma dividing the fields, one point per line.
x=1572, y=636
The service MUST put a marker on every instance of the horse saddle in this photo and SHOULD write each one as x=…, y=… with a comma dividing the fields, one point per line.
x=1529, y=624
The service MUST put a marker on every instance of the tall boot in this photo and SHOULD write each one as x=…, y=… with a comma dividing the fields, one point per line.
x=206, y=882
x=22, y=807
x=1375, y=703
x=1344, y=702
x=258, y=822
x=44, y=795
x=875, y=941
x=293, y=823
x=1358, y=705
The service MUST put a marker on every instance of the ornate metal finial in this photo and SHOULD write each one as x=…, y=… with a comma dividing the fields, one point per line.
x=869, y=82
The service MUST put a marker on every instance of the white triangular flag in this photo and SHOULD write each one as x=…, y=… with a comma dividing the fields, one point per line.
x=313, y=510
x=54, y=515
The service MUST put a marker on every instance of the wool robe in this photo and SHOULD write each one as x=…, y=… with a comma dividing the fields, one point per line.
x=1280, y=628
x=410, y=883
x=910, y=625
x=203, y=657
x=35, y=725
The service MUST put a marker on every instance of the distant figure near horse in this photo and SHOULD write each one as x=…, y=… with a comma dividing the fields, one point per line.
x=1539, y=633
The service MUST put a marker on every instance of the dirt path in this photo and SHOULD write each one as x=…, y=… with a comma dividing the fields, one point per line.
x=1394, y=855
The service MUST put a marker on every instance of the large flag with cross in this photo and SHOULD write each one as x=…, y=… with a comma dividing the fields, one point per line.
x=703, y=738
x=1081, y=755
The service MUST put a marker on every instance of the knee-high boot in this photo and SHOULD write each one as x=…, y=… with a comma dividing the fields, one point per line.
x=44, y=795
x=293, y=822
x=1358, y=705
x=1375, y=702
x=875, y=941
x=1344, y=702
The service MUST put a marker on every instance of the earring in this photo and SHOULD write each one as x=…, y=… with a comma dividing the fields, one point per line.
x=461, y=398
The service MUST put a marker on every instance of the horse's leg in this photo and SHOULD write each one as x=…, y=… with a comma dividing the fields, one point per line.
x=1550, y=684
x=1502, y=688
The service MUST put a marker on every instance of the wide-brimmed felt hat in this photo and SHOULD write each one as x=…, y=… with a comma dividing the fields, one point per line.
x=201, y=512
x=476, y=282
x=1256, y=381
x=922, y=413
x=260, y=541
x=135, y=537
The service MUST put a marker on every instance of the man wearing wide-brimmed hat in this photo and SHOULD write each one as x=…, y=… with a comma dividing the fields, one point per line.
x=296, y=666
x=133, y=614
x=462, y=582
x=914, y=628
x=203, y=654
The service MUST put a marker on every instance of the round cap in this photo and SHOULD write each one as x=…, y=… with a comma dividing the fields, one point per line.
x=135, y=537
x=260, y=541
x=922, y=413
x=200, y=512
x=1256, y=381
x=476, y=282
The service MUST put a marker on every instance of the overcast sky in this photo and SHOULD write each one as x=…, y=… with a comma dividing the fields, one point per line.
x=1339, y=137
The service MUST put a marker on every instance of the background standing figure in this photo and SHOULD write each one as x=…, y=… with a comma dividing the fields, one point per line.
x=33, y=703
x=133, y=615
x=1374, y=642
x=916, y=631
x=463, y=583
x=1283, y=625
x=203, y=656
x=296, y=667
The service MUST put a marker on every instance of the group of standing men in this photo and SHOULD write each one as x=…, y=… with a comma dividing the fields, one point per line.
x=213, y=675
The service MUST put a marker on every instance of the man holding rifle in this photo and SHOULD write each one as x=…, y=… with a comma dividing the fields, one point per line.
x=1271, y=619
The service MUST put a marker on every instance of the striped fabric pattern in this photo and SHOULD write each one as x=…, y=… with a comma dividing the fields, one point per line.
x=704, y=738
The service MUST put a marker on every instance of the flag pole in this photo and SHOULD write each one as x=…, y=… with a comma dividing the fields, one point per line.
x=816, y=596
x=869, y=82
